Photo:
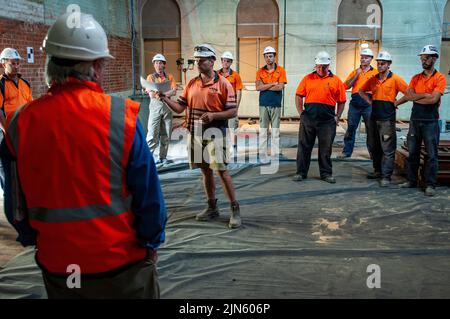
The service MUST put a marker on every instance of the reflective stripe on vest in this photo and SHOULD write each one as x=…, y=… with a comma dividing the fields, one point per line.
x=118, y=204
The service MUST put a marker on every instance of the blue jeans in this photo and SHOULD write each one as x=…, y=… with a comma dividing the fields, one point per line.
x=358, y=108
x=428, y=132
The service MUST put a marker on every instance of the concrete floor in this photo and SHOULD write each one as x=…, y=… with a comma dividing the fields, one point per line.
x=9, y=247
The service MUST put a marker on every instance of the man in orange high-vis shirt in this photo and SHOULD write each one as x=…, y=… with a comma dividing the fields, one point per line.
x=358, y=106
x=211, y=102
x=425, y=91
x=160, y=116
x=90, y=184
x=316, y=99
x=15, y=91
x=270, y=82
x=382, y=135
x=235, y=80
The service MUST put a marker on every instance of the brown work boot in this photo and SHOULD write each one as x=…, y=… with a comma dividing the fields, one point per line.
x=235, y=219
x=212, y=211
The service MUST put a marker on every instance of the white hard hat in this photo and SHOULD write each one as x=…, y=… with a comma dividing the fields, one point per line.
x=384, y=56
x=269, y=50
x=84, y=41
x=429, y=49
x=367, y=52
x=204, y=51
x=227, y=55
x=159, y=57
x=323, y=58
x=10, y=54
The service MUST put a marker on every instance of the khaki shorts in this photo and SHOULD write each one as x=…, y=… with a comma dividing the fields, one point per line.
x=210, y=153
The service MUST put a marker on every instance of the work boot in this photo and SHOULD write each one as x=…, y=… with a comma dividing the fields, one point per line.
x=385, y=182
x=343, y=156
x=235, y=219
x=210, y=212
x=374, y=175
x=430, y=191
x=407, y=185
x=297, y=178
x=329, y=179
x=166, y=161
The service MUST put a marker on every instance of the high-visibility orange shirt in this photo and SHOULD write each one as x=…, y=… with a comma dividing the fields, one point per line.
x=12, y=95
x=328, y=90
x=387, y=89
x=421, y=83
x=267, y=76
x=156, y=78
x=215, y=96
x=361, y=79
x=234, y=78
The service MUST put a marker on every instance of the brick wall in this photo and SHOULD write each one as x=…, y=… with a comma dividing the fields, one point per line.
x=20, y=35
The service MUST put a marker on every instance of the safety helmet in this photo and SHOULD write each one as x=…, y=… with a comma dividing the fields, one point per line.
x=158, y=57
x=269, y=49
x=429, y=49
x=323, y=58
x=384, y=56
x=86, y=40
x=10, y=54
x=204, y=51
x=227, y=55
x=367, y=52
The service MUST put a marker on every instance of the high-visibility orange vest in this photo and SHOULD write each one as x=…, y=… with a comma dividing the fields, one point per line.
x=13, y=95
x=72, y=147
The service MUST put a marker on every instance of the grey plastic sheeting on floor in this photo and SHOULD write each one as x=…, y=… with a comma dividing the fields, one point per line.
x=304, y=239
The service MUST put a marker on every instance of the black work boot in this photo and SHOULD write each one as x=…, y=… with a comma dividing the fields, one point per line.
x=210, y=212
x=235, y=219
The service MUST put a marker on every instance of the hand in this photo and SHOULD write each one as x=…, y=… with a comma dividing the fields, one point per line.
x=337, y=118
x=153, y=256
x=207, y=117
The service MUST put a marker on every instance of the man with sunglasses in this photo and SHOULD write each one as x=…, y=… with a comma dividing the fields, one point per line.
x=211, y=102
x=425, y=91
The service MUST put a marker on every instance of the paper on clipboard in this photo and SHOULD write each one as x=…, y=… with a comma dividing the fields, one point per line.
x=157, y=87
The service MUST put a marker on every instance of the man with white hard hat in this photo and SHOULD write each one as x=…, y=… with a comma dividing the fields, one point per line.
x=90, y=185
x=270, y=82
x=235, y=80
x=316, y=98
x=15, y=92
x=211, y=102
x=160, y=116
x=425, y=91
x=382, y=135
x=358, y=106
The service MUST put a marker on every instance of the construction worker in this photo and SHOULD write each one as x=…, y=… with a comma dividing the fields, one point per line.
x=382, y=136
x=160, y=116
x=270, y=82
x=425, y=91
x=358, y=106
x=235, y=80
x=316, y=99
x=14, y=92
x=89, y=182
x=211, y=102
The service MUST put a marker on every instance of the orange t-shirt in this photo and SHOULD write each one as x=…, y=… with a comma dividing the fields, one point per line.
x=421, y=83
x=328, y=90
x=361, y=79
x=276, y=75
x=156, y=78
x=13, y=96
x=235, y=80
x=215, y=96
x=386, y=90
